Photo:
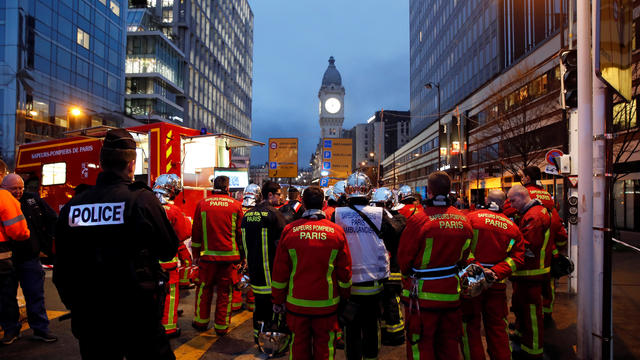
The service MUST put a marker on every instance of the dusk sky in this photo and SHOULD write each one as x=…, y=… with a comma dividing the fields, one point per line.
x=292, y=44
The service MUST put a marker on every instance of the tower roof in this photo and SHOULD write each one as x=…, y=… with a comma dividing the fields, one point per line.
x=331, y=75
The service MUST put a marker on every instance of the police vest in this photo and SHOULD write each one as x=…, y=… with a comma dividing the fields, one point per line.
x=369, y=256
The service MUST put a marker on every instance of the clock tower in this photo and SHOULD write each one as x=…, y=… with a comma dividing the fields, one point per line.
x=331, y=105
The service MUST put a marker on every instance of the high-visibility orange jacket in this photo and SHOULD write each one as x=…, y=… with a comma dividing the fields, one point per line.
x=432, y=244
x=408, y=210
x=312, y=269
x=535, y=225
x=497, y=243
x=14, y=225
x=216, y=228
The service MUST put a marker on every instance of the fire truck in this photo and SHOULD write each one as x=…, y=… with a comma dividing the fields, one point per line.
x=59, y=166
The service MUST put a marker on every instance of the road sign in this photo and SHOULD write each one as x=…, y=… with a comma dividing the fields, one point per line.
x=573, y=180
x=614, y=37
x=551, y=169
x=324, y=182
x=283, y=157
x=551, y=154
x=339, y=157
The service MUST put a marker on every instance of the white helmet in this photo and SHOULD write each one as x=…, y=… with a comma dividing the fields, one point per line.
x=251, y=195
x=385, y=197
x=167, y=187
x=338, y=189
x=328, y=194
x=358, y=185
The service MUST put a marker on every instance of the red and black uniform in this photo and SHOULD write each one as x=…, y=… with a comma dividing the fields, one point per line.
x=312, y=274
x=497, y=245
x=237, y=294
x=535, y=224
x=182, y=226
x=292, y=210
x=216, y=233
x=408, y=210
x=433, y=244
x=261, y=230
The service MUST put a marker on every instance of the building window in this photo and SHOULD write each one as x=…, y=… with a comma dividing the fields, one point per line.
x=83, y=39
x=115, y=8
x=54, y=174
x=104, y=2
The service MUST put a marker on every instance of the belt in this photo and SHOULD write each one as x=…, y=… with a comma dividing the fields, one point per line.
x=6, y=255
x=435, y=273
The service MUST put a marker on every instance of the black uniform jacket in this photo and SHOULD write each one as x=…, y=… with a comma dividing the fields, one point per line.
x=109, y=239
x=41, y=219
x=261, y=230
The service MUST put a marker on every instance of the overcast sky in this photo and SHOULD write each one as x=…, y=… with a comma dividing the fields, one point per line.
x=293, y=40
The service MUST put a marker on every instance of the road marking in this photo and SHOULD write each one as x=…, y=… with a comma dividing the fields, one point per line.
x=196, y=347
x=51, y=314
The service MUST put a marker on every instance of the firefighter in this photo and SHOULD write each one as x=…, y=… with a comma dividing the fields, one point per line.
x=434, y=243
x=111, y=237
x=293, y=209
x=535, y=224
x=216, y=234
x=13, y=226
x=367, y=229
x=261, y=230
x=166, y=188
x=498, y=247
x=311, y=276
x=530, y=176
x=392, y=324
x=251, y=196
x=409, y=199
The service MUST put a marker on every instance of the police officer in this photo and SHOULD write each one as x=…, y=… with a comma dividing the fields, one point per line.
x=434, y=243
x=261, y=230
x=369, y=232
x=109, y=239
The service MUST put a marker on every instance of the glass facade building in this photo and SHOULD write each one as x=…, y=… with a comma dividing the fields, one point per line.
x=56, y=56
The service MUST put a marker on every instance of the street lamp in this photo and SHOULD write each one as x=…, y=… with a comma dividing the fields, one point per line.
x=430, y=85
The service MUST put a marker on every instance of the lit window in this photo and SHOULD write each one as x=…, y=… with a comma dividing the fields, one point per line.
x=54, y=174
x=115, y=8
x=83, y=39
x=104, y=2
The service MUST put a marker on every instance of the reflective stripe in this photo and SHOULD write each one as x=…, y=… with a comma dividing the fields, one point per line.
x=511, y=242
x=171, y=321
x=531, y=272
x=293, y=338
x=474, y=241
x=344, y=285
x=261, y=289
x=395, y=276
x=234, y=246
x=220, y=253
x=554, y=252
x=535, y=349
x=376, y=288
x=278, y=284
x=332, y=340
x=313, y=303
x=15, y=220
x=466, y=352
x=265, y=257
x=415, y=350
x=332, y=258
x=294, y=267
x=244, y=243
x=426, y=256
x=197, y=318
x=196, y=245
x=512, y=264
x=227, y=319
x=543, y=250
x=220, y=327
x=433, y=296
x=465, y=247
x=203, y=215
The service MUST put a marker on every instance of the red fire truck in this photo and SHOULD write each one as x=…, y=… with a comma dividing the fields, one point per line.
x=60, y=165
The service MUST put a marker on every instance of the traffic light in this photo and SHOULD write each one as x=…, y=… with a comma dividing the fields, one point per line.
x=573, y=209
x=569, y=78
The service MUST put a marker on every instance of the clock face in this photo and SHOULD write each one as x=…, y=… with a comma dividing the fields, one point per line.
x=332, y=105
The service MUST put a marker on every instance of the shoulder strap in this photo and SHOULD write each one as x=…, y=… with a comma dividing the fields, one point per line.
x=367, y=220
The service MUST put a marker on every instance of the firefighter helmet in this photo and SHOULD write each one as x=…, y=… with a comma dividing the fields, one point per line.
x=561, y=266
x=251, y=195
x=472, y=280
x=328, y=194
x=274, y=337
x=384, y=196
x=406, y=193
x=243, y=279
x=167, y=187
x=358, y=185
x=339, y=189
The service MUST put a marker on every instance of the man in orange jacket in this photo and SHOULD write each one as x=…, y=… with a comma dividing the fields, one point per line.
x=498, y=246
x=434, y=243
x=166, y=188
x=215, y=236
x=311, y=275
x=13, y=226
x=535, y=224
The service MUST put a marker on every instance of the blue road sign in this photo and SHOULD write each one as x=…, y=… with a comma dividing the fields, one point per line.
x=328, y=143
x=324, y=182
x=326, y=165
x=326, y=154
x=273, y=165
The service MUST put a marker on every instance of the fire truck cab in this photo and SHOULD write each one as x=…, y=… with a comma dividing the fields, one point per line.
x=56, y=167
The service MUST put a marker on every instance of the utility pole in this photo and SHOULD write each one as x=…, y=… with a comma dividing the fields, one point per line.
x=584, y=324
